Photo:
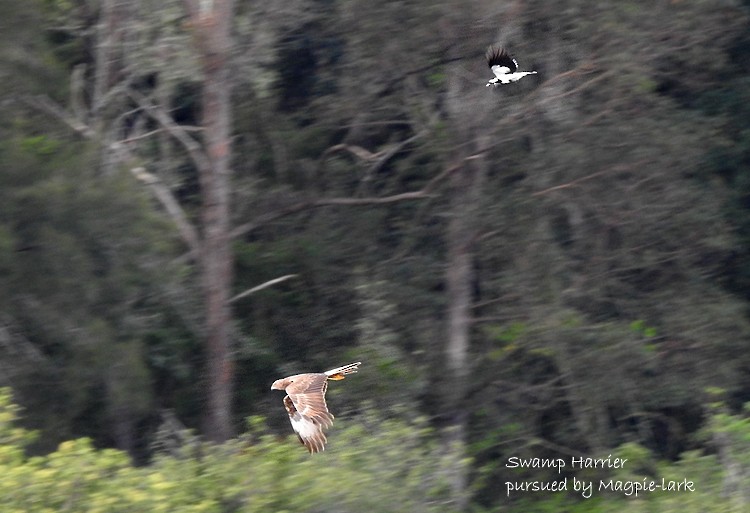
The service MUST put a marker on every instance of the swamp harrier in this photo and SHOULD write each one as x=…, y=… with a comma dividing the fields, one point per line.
x=306, y=404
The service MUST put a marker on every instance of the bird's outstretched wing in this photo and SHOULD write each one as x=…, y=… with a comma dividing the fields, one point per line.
x=500, y=61
x=309, y=432
x=308, y=392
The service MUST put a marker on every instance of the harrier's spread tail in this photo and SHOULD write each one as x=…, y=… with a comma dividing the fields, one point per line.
x=339, y=372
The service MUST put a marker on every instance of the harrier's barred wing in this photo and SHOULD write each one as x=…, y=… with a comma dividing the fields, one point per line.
x=308, y=394
x=310, y=433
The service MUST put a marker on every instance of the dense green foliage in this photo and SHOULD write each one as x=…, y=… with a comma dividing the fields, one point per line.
x=375, y=465
x=608, y=207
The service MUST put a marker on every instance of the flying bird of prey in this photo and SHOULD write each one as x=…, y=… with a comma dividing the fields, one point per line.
x=504, y=67
x=305, y=403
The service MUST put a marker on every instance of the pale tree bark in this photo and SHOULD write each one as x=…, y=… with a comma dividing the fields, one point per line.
x=465, y=110
x=459, y=272
x=458, y=275
x=211, y=23
x=461, y=233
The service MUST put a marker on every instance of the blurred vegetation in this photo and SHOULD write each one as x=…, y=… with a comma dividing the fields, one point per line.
x=609, y=222
x=377, y=464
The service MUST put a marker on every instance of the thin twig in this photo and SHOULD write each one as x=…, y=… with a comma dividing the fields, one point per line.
x=262, y=286
x=572, y=183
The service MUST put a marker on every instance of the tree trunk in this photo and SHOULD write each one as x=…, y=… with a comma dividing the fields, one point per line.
x=459, y=274
x=211, y=22
x=459, y=278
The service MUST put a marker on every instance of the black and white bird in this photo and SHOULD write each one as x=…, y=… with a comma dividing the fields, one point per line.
x=504, y=67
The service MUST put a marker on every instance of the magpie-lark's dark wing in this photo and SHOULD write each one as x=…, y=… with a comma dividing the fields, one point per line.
x=500, y=58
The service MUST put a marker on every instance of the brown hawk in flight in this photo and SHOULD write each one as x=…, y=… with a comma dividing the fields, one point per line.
x=306, y=403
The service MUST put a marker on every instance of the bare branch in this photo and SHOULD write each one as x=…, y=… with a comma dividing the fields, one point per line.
x=146, y=135
x=308, y=205
x=376, y=160
x=388, y=153
x=262, y=286
x=159, y=115
x=187, y=231
x=46, y=104
x=113, y=93
x=358, y=151
x=423, y=193
x=572, y=183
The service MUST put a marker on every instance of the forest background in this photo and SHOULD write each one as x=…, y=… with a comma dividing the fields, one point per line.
x=200, y=197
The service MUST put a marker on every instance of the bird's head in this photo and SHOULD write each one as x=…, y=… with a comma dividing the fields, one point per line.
x=281, y=384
